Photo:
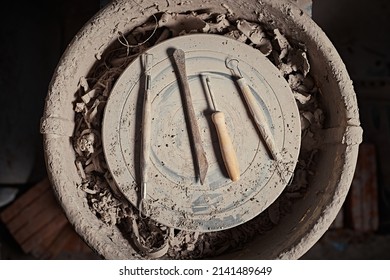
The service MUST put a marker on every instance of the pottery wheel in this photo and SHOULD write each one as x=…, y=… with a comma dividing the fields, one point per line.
x=175, y=196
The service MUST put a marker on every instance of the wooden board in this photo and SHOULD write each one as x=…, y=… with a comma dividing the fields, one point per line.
x=40, y=227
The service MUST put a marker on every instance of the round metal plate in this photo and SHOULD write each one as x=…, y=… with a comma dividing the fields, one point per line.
x=175, y=196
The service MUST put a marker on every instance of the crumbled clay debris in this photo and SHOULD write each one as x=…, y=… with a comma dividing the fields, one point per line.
x=289, y=59
x=87, y=142
x=104, y=199
x=255, y=33
x=181, y=23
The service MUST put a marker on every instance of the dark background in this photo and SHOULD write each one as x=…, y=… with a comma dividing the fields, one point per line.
x=34, y=34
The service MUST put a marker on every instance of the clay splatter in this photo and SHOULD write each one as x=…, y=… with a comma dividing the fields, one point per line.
x=150, y=238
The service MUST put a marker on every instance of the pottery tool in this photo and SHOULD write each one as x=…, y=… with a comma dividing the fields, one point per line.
x=225, y=142
x=256, y=112
x=146, y=128
x=200, y=155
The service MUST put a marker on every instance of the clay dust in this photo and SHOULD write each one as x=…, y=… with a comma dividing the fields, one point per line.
x=153, y=240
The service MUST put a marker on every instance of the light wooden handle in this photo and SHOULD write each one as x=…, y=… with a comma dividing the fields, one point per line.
x=259, y=119
x=226, y=146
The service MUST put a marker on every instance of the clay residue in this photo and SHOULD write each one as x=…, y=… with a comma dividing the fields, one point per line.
x=153, y=240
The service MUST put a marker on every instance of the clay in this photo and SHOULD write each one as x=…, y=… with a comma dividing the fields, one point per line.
x=178, y=23
x=307, y=218
x=256, y=35
x=110, y=210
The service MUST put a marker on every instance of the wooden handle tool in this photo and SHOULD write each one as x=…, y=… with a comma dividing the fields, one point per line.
x=256, y=112
x=201, y=160
x=225, y=142
x=259, y=118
